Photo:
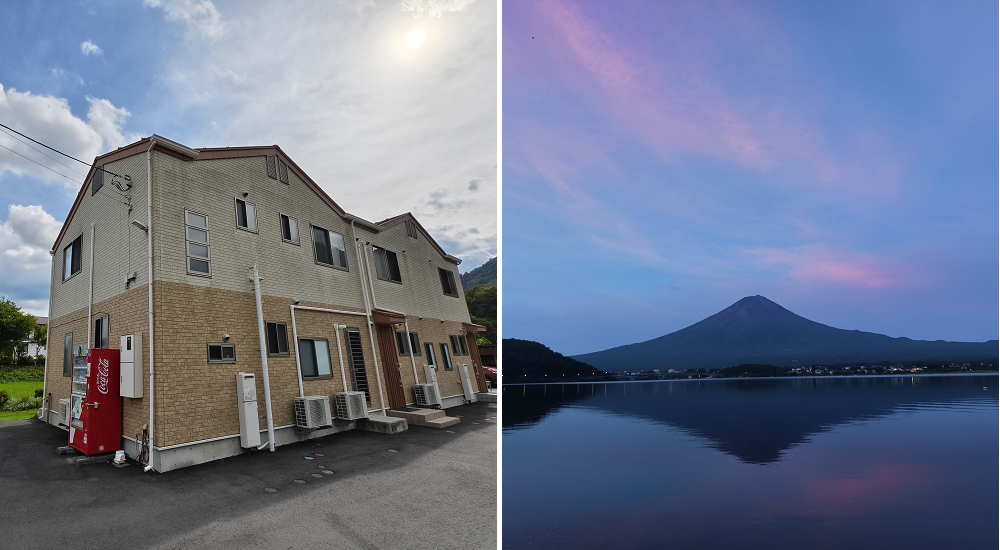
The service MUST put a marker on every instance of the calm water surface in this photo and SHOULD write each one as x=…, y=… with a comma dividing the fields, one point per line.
x=876, y=462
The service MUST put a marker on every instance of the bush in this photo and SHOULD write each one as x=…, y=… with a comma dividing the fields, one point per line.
x=4, y=398
x=22, y=374
x=39, y=392
x=23, y=404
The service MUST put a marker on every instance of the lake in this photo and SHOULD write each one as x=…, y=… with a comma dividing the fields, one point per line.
x=840, y=462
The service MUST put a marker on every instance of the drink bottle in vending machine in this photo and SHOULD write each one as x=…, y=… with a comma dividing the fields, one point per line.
x=96, y=414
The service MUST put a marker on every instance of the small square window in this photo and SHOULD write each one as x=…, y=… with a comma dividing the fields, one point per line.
x=73, y=258
x=246, y=215
x=314, y=357
x=277, y=339
x=221, y=353
x=329, y=248
x=289, y=229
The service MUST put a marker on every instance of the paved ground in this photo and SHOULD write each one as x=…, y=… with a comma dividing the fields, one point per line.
x=421, y=489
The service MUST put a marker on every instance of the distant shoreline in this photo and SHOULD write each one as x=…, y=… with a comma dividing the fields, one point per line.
x=712, y=379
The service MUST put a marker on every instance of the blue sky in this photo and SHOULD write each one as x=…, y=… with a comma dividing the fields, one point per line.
x=333, y=83
x=662, y=160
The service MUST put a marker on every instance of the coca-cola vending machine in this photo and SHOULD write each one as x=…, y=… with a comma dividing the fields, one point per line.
x=96, y=415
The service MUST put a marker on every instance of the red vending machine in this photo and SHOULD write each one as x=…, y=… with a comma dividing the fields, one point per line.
x=96, y=415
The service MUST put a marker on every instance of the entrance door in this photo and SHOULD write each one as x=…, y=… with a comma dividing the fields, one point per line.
x=390, y=366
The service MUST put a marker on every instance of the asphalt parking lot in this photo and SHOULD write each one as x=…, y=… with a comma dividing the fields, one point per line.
x=420, y=489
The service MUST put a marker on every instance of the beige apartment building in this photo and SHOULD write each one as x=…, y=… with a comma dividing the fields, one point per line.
x=233, y=260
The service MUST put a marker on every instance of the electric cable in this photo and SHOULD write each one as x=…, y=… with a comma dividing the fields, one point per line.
x=56, y=150
x=40, y=164
x=43, y=153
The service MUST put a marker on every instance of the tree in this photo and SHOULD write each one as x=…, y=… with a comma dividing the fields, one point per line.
x=482, y=302
x=40, y=335
x=15, y=326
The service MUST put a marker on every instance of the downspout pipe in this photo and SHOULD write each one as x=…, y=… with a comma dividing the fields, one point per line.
x=409, y=345
x=90, y=290
x=45, y=374
x=263, y=359
x=368, y=314
x=298, y=362
x=149, y=291
x=340, y=354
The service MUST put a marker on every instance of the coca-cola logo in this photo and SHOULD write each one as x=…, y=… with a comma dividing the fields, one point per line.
x=103, y=370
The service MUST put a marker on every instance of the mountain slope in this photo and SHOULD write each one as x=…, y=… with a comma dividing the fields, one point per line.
x=485, y=274
x=757, y=330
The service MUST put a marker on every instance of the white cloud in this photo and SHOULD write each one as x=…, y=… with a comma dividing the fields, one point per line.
x=89, y=48
x=382, y=128
x=199, y=16
x=433, y=8
x=25, y=264
x=49, y=120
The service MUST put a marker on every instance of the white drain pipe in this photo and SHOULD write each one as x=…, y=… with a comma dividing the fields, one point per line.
x=368, y=313
x=263, y=359
x=149, y=291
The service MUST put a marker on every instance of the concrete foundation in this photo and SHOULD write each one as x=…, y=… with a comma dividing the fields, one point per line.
x=383, y=424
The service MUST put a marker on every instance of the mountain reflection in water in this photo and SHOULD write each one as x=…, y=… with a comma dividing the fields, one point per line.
x=755, y=420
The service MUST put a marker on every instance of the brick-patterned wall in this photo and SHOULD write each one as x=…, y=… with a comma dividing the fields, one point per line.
x=433, y=331
x=127, y=313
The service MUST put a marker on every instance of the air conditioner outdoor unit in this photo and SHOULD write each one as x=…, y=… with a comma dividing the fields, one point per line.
x=312, y=411
x=426, y=394
x=64, y=408
x=351, y=405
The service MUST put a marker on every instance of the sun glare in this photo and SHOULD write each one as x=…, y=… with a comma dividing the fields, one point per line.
x=416, y=38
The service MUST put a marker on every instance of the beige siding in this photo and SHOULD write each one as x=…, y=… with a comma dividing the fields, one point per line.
x=420, y=293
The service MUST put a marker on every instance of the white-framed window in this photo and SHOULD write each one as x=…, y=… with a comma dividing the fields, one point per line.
x=277, y=339
x=289, y=229
x=328, y=248
x=73, y=258
x=429, y=348
x=314, y=357
x=246, y=215
x=386, y=265
x=101, y=332
x=446, y=357
x=221, y=353
x=448, y=285
x=198, y=252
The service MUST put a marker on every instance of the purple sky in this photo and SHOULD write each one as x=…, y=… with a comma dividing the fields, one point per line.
x=662, y=160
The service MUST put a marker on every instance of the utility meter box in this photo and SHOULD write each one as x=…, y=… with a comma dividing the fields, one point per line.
x=246, y=399
x=130, y=377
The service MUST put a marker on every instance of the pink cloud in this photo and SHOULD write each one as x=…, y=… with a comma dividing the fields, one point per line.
x=820, y=262
x=677, y=106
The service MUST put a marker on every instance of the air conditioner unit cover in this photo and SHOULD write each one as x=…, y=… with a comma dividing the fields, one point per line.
x=351, y=405
x=312, y=411
x=426, y=394
x=64, y=408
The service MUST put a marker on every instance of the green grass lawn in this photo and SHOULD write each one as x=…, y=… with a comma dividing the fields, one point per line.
x=18, y=390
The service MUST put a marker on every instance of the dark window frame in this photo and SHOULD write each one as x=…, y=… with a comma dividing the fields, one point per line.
x=222, y=358
x=272, y=171
x=447, y=357
x=75, y=249
x=402, y=343
x=277, y=338
x=329, y=246
x=448, y=286
x=465, y=345
x=386, y=265
x=97, y=180
x=304, y=356
x=68, y=355
x=431, y=359
x=101, y=332
x=282, y=222
x=246, y=215
x=415, y=343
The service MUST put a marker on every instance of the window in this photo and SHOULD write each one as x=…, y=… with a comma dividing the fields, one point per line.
x=221, y=353
x=68, y=355
x=289, y=230
x=277, y=339
x=456, y=349
x=101, y=332
x=386, y=266
x=97, y=181
x=73, y=258
x=246, y=215
x=314, y=356
x=329, y=248
x=445, y=357
x=402, y=343
x=429, y=348
x=415, y=343
x=448, y=282
x=272, y=171
x=196, y=232
x=465, y=347
x=411, y=228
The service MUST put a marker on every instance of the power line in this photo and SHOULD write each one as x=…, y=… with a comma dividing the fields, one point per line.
x=40, y=164
x=43, y=152
x=101, y=168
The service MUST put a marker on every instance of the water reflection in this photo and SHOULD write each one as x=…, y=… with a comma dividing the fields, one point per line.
x=756, y=420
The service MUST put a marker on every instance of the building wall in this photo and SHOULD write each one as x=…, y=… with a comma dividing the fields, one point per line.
x=433, y=331
x=210, y=187
x=420, y=293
